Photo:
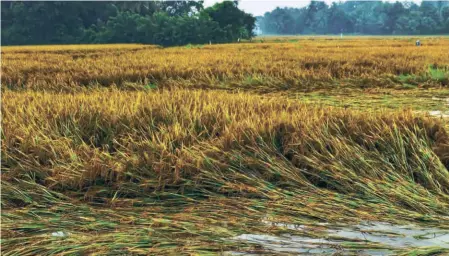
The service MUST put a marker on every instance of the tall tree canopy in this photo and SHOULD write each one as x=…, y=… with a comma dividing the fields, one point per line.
x=359, y=17
x=156, y=22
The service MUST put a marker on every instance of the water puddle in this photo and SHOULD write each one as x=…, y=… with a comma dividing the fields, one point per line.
x=60, y=234
x=394, y=235
x=368, y=238
x=438, y=113
x=443, y=100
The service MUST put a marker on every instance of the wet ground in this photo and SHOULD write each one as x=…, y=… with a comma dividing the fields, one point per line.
x=417, y=100
x=368, y=238
x=438, y=113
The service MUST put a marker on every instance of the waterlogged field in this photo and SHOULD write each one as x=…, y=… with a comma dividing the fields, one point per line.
x=298, y=146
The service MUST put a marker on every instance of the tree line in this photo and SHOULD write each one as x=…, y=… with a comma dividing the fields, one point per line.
x=359, y=17
x=158, y=22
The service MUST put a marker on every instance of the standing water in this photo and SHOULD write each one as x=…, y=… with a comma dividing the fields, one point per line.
x=367, y=238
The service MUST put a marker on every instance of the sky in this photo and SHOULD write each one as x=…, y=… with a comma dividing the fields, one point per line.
x=260, y=7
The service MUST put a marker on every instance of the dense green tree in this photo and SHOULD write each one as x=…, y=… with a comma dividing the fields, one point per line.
x=359, y=17
x=41, y=27
x=339, y=22
x=157, y=22
x=236, y=22
x=317, y=17
x=445, y=20
x=392, y=12
x=280, y=21
x=183, y=22
x=175, y=8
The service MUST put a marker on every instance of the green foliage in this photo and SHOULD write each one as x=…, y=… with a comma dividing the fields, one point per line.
x=359, y=17
x=236, y=22
x=406, y=78
x=440, y=75
x=193, y=46
x=150, y=86
x=164, y=23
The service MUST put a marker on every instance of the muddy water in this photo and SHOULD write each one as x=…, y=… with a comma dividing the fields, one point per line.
x=369, y=238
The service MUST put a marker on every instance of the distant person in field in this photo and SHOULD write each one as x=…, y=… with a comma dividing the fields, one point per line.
x=418, y=43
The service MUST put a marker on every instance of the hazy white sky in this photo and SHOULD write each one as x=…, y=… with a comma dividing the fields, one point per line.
x=259, y=7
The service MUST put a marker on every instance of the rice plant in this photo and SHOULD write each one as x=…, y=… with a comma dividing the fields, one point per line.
x=182, y=150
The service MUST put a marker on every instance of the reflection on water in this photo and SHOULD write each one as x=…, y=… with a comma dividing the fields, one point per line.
x=368, y=238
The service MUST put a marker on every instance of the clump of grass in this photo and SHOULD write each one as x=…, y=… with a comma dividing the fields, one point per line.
x=438, y=74
x=150, y=86
x=406, y=77
x=194, y=46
